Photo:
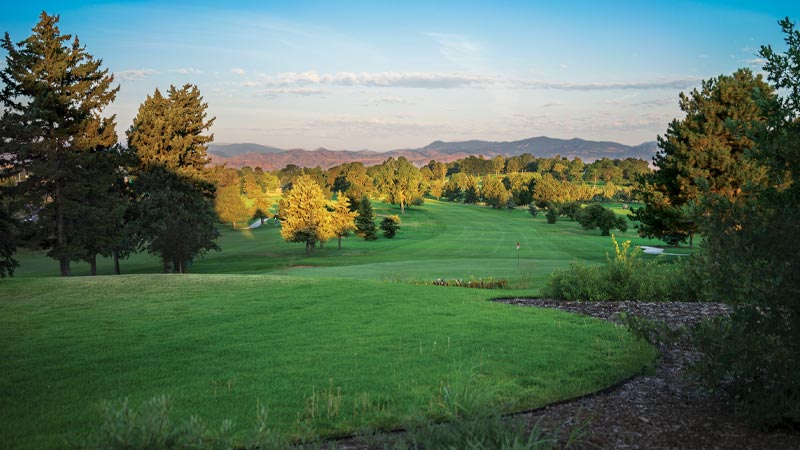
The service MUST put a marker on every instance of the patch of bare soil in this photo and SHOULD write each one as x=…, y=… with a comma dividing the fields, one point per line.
x=664, y=410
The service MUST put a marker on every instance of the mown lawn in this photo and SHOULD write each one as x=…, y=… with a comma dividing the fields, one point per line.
x=218, y=345
x=437, y=240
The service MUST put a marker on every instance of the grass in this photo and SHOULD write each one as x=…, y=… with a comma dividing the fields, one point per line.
x=439, y=240
x=326, y=355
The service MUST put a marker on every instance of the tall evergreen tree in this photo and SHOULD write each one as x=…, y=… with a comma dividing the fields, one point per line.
x=52, y=126
x=175, y=210
x=705, y=155
x=365, y=220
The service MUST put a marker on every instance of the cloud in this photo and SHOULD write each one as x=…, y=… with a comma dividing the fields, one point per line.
x=429, y=80
x=755, y=62
x=186, y=70
x=238, y=71
x=135, y=74
x=609, y=86
x=449, y=80
x=553, y=103
x=305, y=92
x=388, y=101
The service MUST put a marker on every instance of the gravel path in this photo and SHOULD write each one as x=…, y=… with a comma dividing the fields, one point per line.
x=664, y=410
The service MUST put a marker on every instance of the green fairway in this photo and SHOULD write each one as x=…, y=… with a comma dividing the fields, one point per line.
x=217, y=345
x=437, y=240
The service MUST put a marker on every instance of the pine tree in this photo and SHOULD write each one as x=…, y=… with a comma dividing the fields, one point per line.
x=304, y=217
x=53, y=96
x=175, y=209
x=342, y=219
x=704, y=155
x=365, y=220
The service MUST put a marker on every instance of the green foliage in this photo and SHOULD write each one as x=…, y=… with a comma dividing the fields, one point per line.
x=753, y=357
x=390, y=225
x=399, y=181
x=571, y=210
x=176, y=218
x=53, y=96
x=596, y=216
x=533, y=210
x=552, y=213
x=7, y=242
x=751, y=258
x=365, y=220
x=230, y=206
x=151, y=426
x=706, y=152
x=494, y=193
x=626, y=277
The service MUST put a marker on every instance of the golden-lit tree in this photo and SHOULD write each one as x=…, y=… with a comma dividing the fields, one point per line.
x=343, y=221
x=304, y=217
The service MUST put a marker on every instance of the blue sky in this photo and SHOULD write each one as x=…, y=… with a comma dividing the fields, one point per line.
x=388, y=75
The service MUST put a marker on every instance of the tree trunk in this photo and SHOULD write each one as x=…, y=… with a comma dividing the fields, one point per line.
x=93, y=265
x=167, y=266
x=116, y=261
x=61, y=239
x=234, y=224
x=402, y=209
x=691, y=240
x=307, y=247
x=340, y=242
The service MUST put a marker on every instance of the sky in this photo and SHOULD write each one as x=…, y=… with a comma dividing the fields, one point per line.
x=401, y=74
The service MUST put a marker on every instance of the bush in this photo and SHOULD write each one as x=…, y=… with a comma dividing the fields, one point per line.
x=552, y=214
x=533, y=210
x=753, y=357
x=390, y=225
x=626, y=277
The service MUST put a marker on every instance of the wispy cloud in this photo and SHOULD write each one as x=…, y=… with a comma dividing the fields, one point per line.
x=449, y=80
x=238, y=71
x=305, y=92
x=430, y=80
x=186, y=70
x=684, y=83
x=553, y=104
x=458, y=49
x=135, y=74
x=754, y=62
x=388, y=101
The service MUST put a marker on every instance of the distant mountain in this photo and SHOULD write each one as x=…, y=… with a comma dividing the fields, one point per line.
x=228, y=150
x=271, y=158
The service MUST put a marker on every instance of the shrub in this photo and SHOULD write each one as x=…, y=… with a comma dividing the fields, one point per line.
x=390, y=225
x=626, y=277
x=570, y=209
x=552, y=214
x=533, y=210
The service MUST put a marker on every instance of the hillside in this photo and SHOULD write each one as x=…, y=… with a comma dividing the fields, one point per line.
x=271, y=158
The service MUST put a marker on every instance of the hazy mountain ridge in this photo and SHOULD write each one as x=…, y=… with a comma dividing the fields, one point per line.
x=272, y=158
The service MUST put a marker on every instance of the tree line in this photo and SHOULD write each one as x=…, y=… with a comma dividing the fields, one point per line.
x=71, y=189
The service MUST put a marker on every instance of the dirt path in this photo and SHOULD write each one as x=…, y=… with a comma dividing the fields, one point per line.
x=664, y=410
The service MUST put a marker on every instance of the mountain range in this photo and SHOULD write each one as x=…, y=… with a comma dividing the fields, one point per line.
x=273, y=158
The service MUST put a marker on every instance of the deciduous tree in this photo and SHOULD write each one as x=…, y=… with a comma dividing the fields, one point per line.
x=304, y=217
x=342, y=218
